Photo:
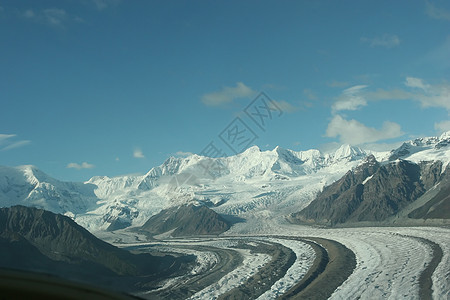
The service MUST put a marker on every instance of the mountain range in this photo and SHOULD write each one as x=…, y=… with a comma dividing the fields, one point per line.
x=253, y=183
x=374, y=192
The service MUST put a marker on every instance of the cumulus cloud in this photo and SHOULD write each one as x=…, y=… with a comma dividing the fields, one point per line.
x=83, y=165
x=355, y=133
x=228, y=95
x=442, y=126
x=137, y=153
x=437, y=13
x=386, y=41
x=350, y=99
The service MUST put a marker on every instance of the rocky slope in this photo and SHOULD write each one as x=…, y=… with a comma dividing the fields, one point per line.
x=375, y=192
x=38, y=240
x=186, y=220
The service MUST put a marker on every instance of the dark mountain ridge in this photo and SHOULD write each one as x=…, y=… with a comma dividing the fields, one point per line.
x=186, y=220
x=375, y=192
x=38, y=240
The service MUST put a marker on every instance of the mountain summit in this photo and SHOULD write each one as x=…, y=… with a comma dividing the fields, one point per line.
x=248, y=184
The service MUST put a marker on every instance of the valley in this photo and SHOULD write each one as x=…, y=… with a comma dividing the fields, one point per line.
x=386, y=262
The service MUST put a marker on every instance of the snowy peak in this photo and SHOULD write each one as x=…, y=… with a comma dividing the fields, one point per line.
x=36, y=176
x=25, y=175
x=409, y=148
x=27, y=185
x=106, y=186
x=349, y=153
x=288, y=156
x=251, y=150
x=445, y=135
x=444, y=140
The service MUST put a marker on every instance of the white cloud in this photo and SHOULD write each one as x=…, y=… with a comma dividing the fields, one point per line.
x=183, y=154
x=355, y=133
x=4, y=137
x=443, y=126
x=396, y=94
x=16, y=145
x=386, y=40
x=437, y=13
x=228, y=94
x=418, y=90
x=380, y=147
x=55, y=17
x=284, y=106
x=350, y=99
x=431, y=95
x=29, y=13
x=416, y=83
x=51, y=16
x=83, y=165
x=7, y=142
x=137, y=153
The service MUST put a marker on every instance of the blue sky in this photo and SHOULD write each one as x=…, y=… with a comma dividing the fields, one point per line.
x=109, y=87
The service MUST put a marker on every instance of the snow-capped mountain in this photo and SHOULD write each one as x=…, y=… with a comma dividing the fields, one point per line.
x=420, y=146
x=252, y=183
x=27, y=185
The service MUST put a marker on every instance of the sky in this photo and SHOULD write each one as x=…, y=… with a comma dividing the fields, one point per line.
x=111, y=87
